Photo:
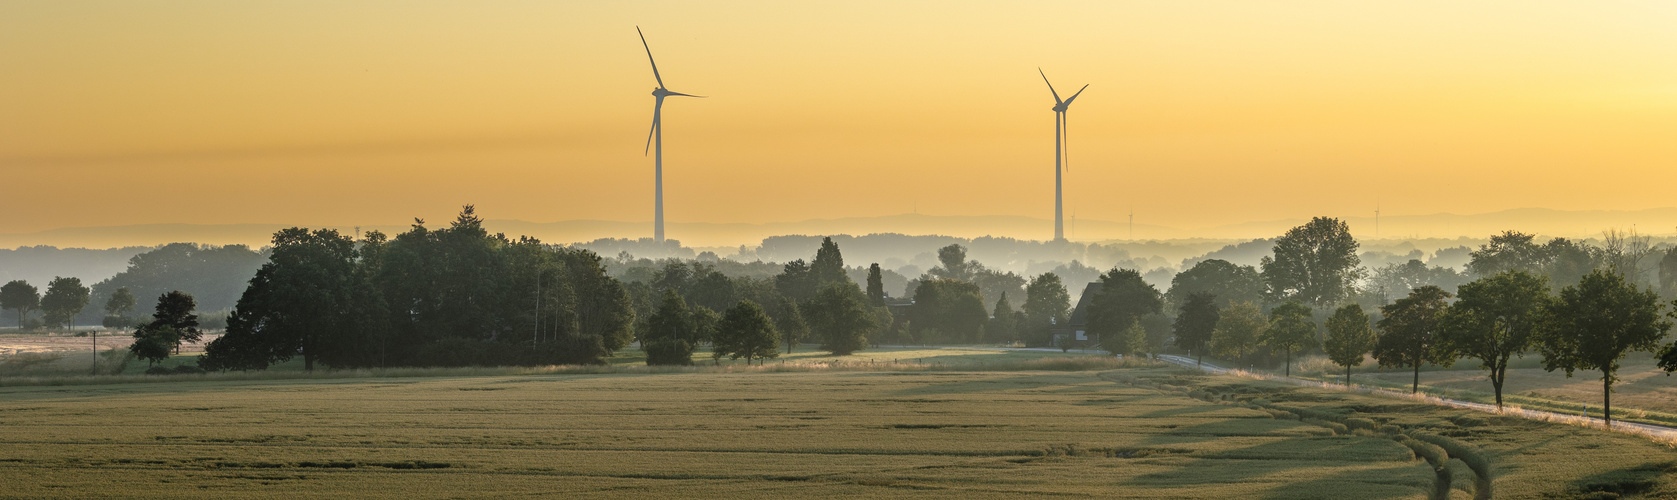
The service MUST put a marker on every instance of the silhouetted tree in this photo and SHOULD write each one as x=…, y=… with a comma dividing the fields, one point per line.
x=1229, y=282
x=876, y=286
x=796, y=281
x=1411, y=332
x=1315, y=263
x=746, y=331
x=1239, y=329
x=1121, y=302
x=302, y=302
x=954, y=264
x=790, y=322
x=1195, y=323
x=65, y=298
x=117, y=308
x=1349, y=337
x=1496, y=318
x=950, y=309
x=1291, y=328
x=670, y=333
x=1046, y=304
x=152, y=342
x=174, y=309
x=840, y=318
x=828, y=266
x=20, y=296
x=1593, y=324
x=1001, y=327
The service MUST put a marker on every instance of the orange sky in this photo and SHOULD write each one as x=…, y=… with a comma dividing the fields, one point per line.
x=1198, y=113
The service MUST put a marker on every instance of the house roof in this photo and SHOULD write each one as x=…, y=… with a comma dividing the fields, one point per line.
x=1080, y=315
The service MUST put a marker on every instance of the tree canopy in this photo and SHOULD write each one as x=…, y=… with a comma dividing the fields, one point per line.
x=65, y=298
x=1593, y=324
x=1315, y=263
x=1291, y=328
x=1411, y=332
x=1349, y=337
x=1495, y=319
x=1124, y=297
x=1196, y=322
x=1227, y=282
x=20, y=296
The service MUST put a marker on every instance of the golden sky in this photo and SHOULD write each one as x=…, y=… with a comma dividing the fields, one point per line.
x=1198, y=113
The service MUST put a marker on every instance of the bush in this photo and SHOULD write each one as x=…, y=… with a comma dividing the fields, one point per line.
x=159, y=370
x=188, y=369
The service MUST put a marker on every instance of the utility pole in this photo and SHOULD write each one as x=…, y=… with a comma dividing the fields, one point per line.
x=1132, y=224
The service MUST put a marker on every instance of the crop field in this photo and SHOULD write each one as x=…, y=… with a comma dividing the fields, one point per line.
x=1144, y=432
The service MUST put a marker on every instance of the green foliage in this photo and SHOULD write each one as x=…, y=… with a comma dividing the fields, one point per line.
x=1349, y=337
x=1563, y=261
x=1046, y=304
x=789, y=320
x=1411, y=332
x=671, y=333
x=175, y=310
x=1593, y=324
x=20, y=296
x=876, y=286
x=1397, y=280
x=1291, y=328
x=828, y=266
x=119, y=305
x=214, y=275
x=1228, y=283
x=1121, y=302
x=746, y=331
x=839, y=317
x=154, y=342
x=1240, y=327
x=796, y=281
x=1196, y=321
x=1497, y=318
x=954, y=265
x=1315, y=263
x=1002, y=327
x=954, y=309
x=302, y=302
x=65, y=298
x=1128, y=341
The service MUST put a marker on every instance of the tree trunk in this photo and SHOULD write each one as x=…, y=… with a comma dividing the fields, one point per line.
x=1606, y=399
x=1200, y=360
x=308, y=362
x=1498, y=375
x=1348, y=375
x=95, y=352
x=1415, y=386
x=1289, y=368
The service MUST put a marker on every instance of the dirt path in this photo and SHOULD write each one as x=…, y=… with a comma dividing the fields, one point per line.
x=1657, y=432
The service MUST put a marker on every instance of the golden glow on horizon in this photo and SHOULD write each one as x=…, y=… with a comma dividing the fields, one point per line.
x=1198, y=113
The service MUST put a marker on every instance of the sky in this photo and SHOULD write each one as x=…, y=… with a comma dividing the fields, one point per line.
x=1198, y=114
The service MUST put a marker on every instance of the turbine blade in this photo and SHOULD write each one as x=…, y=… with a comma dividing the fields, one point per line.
x=1050, y=86
x=1066, y=134
x=649, y=58
x=1074, y=96
x=687, y=95
x=654, y=128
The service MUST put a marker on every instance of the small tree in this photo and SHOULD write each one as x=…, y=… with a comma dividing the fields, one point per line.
x=1238, y=330
x=65, y=298
x=1046, y=304
x=1123, y=299
x=669, y=336
x=1349, y=337
x=1593, y=324
x=175, y=310
x=153, y=341
x=1409, y=332
x=1290, y=329
x=1129, y=341
x=876, y=286
x=20, y=296
x=840, y=318
x=1002, y=328
x=1195, y=324
x=1497, y=318
x=745, y=331
x=791, y=324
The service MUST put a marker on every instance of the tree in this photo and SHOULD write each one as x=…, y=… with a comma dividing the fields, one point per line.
x=670, y=333
x=746, y=331
x=152, y=342
x=307, y=300
x=118, y=306
x=1314, y=263
x=174, y=309
x=840, y=319
x=1127, y=341
x=954, y=264
x=1046, y=305
x=828, y=266
x=65, y=298
x=1509, y=251
x=1397, y=280
x=1593, y=324
x=1410, y=332
x=790, y=322
x=1124, y=297
x=796, y=281
x=1195, y=323
x=1668, y=274
x=1349, y=337
x=1239, y=329
x=20, y=296
x=876, y=286
x=1228, y=282
x=1001, y=327
x=1496, y=318
x=952, y=309
x=1291, y=328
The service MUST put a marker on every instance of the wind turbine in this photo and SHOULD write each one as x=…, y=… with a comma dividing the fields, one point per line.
x=1062, y=130
x=657, y=135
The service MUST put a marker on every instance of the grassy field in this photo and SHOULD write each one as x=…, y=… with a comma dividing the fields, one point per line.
x=1146, y=432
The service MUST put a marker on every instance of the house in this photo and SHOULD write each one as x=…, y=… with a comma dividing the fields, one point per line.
x=1075, y=329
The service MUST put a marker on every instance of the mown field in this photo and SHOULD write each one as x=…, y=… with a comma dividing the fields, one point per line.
x=1142, y=432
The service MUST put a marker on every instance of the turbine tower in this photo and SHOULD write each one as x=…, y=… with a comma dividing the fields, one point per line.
x=656, y=135
x=1062, y=152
